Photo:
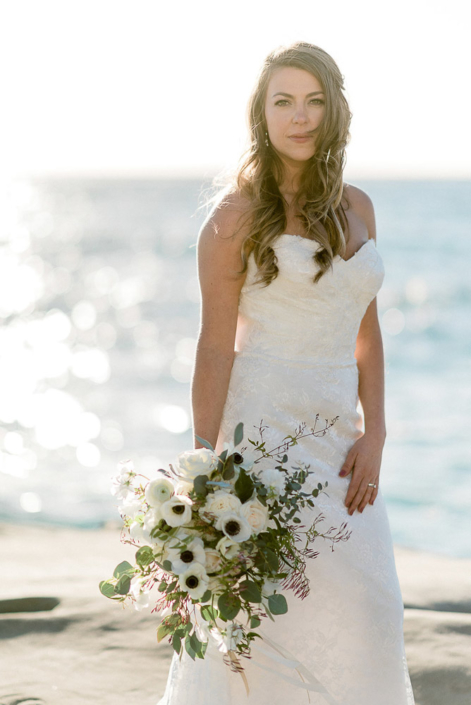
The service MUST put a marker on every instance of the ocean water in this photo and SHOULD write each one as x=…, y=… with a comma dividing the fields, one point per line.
x=99, y=306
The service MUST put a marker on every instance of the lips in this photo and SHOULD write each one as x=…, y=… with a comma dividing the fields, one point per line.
x=301, y=134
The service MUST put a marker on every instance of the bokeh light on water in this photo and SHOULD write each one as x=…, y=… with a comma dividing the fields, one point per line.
x=99, y=313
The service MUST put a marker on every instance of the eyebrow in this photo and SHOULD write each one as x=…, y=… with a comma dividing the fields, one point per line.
x=288, y=95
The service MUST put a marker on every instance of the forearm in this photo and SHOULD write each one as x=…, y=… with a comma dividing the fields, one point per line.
x=209, y=387
x=370, y=360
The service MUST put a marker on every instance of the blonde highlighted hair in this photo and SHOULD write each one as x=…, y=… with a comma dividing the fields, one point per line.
x=260, y=169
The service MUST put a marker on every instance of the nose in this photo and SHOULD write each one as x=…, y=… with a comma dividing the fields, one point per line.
x=300, y=114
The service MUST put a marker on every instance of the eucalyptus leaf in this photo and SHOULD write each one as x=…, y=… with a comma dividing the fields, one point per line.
x=250, y=591
x=177, y=643
x=144, y=556
x=204, y=442
x=277, y=604
x=107, y=588
x=229, y=605
x=123, y=585
x=244, y=486
x=123, y=568
x=238, y=433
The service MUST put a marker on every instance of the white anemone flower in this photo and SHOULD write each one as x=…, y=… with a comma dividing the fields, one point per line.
x=158, y=491
x=194, y=581
x=234, y=526
x=176, y=511
x=183, y=558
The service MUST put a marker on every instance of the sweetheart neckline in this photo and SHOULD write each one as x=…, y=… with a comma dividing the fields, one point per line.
x=301, y=237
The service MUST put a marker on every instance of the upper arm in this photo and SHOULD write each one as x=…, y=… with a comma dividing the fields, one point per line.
x=219, y=261
x=363, y=208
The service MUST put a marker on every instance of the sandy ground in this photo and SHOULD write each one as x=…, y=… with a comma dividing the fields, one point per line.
x=89, y=650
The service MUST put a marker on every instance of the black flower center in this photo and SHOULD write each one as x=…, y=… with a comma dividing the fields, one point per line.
x=233, y=527
x=192, y=582
x=237, y=458
x=178, y=509
x=186, y=556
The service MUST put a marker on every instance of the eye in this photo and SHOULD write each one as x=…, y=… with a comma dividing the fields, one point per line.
x=313, y=100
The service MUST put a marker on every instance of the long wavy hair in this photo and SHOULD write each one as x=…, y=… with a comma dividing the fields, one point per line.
x=260, y=169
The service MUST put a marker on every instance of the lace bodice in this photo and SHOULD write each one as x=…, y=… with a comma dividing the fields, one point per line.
x=295, y=319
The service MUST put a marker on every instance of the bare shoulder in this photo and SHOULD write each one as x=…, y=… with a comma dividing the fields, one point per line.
x=226, y=220
x=362, y=206
x=221, y=236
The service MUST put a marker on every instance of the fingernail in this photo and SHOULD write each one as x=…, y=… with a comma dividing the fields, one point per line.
x=343, y=473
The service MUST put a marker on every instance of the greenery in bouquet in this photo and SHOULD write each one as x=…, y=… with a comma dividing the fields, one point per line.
x=218, y=542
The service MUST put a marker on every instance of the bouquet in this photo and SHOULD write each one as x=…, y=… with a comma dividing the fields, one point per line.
x=218, y=542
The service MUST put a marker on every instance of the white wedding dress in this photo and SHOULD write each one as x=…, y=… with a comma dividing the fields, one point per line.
x=295, y=358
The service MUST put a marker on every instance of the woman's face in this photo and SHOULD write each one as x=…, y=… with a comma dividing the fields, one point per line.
x=294, y=105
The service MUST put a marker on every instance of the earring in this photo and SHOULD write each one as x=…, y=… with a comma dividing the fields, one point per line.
x=266, y=139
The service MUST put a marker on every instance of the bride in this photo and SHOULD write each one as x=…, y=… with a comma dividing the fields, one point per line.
x=289, y=272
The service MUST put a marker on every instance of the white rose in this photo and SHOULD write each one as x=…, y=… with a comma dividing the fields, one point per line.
x=192, y=463
x=227, y=547
x=274, y=480
x=256, y=514
x=158, y=491
x=194, y=581
x=176, y=511
x=234, y=526
x=213, y=560
x=220, y=502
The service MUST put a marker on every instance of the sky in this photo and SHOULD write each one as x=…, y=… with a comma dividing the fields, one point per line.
x=139, y=88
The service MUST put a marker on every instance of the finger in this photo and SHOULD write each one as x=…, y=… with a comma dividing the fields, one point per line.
x=359, y=495
x=375, y=491
x=348, y=465
x=366, y=499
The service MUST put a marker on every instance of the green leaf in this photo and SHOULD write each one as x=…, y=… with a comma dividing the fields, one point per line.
x=206, y=597
x=229, y=605
x=319, y=486
x=204, y=442
x=123, y=568
x=144, y=556
x=250, y=591
x=272, y=559
x=255, y=622
x=277, y=604
x=315, y=492
x=162, y=587
x=228, y=472
x=164, y=630
x=238, y=433
x=107, y=588
x=167, y=565
x=296, y=520
x=177, y=643
x=123, y=585
x=195, y=643
x=244, y=486
x=202, y=651
x=189, y=649
x=209, y=613
x=199, y=484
